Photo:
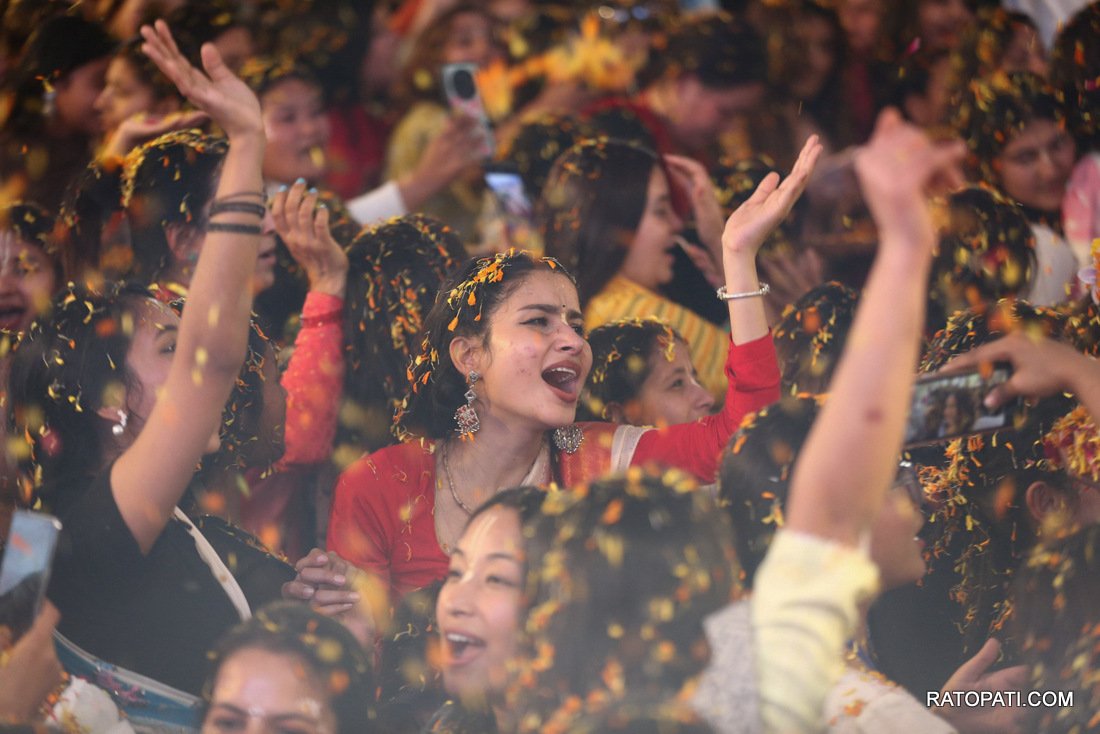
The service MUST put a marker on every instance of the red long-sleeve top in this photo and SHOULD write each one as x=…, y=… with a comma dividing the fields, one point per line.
x=383, y=513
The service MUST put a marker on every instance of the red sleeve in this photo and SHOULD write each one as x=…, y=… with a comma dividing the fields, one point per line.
x=314, y=382
x=359, y=530
x=753, y=373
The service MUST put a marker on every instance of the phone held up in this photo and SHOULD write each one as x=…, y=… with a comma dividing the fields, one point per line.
x=25, y=569
x=460, y=87
x=949, y=406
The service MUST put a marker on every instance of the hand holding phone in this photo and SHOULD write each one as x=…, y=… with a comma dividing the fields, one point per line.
x=947, y=406
x=25, y=569
x=460, y=87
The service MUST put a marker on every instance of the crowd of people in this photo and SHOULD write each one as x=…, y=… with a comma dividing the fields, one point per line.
x=509, y=366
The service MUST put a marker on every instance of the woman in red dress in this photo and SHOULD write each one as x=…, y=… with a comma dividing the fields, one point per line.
x=494, y=395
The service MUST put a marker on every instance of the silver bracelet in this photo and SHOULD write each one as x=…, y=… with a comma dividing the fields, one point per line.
x=764, y=290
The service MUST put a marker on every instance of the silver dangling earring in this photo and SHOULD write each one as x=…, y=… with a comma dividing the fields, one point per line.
x=568, y=438
x=49, y=104
x=466, y=417
x=119, y=428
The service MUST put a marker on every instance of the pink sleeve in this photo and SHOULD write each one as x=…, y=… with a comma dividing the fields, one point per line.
x=1082, y=200
x=314, y=382
x=753, y=373
x=358, y=531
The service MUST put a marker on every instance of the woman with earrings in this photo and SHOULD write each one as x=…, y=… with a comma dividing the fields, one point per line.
x=493, y=398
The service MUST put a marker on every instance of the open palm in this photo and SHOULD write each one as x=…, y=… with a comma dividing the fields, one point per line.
x=752, y=222
x=217, y=91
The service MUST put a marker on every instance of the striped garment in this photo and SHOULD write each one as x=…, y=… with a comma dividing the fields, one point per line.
x=625, y=299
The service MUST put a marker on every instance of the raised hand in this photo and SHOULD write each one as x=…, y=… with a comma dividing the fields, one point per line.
x=216, y=90
x=694, y=179
x=752, y=222
x=898, y=168
x=303, y=225
x=972, y=676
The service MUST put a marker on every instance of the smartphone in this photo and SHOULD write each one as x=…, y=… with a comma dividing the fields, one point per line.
x=460, y=87
x=507, y=188
x=949, y=406
x=25, y=568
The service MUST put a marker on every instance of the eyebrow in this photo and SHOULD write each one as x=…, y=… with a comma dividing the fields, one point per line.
x=163, y=329
x=286, y=716
x=572, y=314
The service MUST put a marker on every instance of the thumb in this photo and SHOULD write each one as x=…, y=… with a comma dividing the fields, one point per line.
x=46, y=621
x=975, y=667
x=212, y=62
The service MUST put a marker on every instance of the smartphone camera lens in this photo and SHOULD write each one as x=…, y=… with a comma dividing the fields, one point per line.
x=464, y=85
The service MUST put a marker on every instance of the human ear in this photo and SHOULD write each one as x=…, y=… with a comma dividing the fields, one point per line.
x=1042, y=500
x=183, y=242
x=468, y=355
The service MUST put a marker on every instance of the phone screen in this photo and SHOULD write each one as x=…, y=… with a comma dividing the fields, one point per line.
x=25, y=569
x=507, y=187
x=460, y=88
x=954, y=405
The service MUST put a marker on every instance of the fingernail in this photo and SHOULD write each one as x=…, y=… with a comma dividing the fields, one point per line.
x=313, y=191
x=282, y=188
x=322, y=205
x=300, y=181
x=309, y=591
x=354, y=596
x=339, y=579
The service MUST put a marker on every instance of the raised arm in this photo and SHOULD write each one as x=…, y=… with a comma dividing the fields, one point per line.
x=752, y=368
x=314, y=379
x=149, y=478
x=850, y=456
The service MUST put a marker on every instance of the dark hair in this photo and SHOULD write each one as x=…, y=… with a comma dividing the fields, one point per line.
x=591, y=207
x=263, y=73
x=995, y=110
x=986, y=252
x=166, y=182
x=622, y=354
x=464, y=307
x=395, y=272
x=964, y=405
x=983, y=323
x=196, y=23
x=1074, y=68
x=537, y=144
x=335, y=658
x=420, y=76
x=811, y=335
x=621, y=574
x=67, y=367
x=983, y=45
x=721, y=51
x=58, y=47
x=754, y=477
x=1057, y=600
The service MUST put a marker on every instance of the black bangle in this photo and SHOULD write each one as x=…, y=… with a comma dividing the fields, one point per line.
x=234, y=228
x=241, y=207
x=243, y=194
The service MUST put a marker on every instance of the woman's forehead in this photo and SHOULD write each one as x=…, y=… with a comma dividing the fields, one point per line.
x=543, y=287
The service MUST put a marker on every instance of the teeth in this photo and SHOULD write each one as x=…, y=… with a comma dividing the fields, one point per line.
x=564, y=371
x=459, y=639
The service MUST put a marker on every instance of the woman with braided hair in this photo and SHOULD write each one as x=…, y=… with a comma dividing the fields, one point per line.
x=502, y=365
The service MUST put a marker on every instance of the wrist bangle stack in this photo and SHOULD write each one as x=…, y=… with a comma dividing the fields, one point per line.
x=234, y=228
x=242, y=207
x=764, y=290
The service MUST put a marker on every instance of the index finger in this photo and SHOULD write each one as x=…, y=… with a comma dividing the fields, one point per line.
x=997, y=351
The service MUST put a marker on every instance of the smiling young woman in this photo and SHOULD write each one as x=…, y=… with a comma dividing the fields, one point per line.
x=502, y=363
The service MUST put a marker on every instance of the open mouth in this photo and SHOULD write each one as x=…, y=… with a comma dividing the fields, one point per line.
x=564, y=380
x=11, y=317
x=462, y=648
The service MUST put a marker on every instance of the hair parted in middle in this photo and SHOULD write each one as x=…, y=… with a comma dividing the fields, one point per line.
x=464, y=307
